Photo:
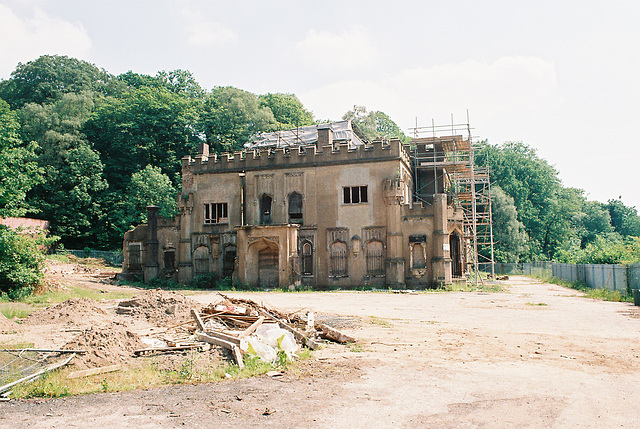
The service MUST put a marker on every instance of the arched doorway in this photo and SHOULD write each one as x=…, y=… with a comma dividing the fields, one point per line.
x=268, y=268
x=456, y=261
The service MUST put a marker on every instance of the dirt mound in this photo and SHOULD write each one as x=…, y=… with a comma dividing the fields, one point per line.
x=77, y=311
x=7, y=325
x=106, y=346
x=158, y=306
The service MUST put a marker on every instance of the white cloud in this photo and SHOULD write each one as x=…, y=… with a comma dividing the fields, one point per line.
x=24, y=39
x=509, y=88
x=349, y=49
x=201, y=32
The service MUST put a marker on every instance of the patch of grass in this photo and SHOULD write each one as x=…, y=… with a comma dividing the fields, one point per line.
x=602, y=294
x=60, y=257
x=470, y=287
x=18, y=310
x=355, y=347
x=17, y=345
x=146, y=375
x=53, y=297
x=380, y=322
x=536, y=304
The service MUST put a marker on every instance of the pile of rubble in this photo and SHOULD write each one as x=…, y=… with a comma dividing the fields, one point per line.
x=75, y=311
x=243, y=326
x=157, y=306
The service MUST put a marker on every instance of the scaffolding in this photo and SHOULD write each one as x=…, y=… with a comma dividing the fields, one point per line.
x=442, y=157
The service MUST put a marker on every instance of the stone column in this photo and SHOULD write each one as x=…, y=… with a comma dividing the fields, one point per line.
x=441, y=261
x=151, y=266
x=394, y=263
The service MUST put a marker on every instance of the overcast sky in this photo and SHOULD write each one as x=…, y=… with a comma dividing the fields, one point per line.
x=560, y=76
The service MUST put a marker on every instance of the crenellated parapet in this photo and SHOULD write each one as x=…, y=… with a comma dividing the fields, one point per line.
x=274, y=158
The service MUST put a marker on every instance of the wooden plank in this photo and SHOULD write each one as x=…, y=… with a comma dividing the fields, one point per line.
x=251, y=329
x=167, y=349
x=235, y=349
x=334, y=335
x=226, y=337
x=197, y=318
x=93, y=371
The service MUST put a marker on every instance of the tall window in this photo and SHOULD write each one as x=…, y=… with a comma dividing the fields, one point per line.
x=355, y=194
x=295, y=208
x=265, y=210
x=418, y=256
x=216, y=213
x=307, y=259
x=338, y=259
x=375, y=258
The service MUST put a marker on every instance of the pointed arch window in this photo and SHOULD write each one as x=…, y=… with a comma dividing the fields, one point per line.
x=307, y=259
x=295, y=208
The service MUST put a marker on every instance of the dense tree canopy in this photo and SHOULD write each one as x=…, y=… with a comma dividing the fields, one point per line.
x=88, y=151
x=374, y=124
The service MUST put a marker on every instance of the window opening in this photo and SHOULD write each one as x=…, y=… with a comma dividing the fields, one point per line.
x=355, y=194
x=295, y=208
x=265, y=210
x=216, y=213
x=375, y=258
x=338, y=259
x=307, y=259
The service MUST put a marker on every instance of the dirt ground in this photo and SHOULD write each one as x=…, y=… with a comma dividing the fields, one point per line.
x=535, y=355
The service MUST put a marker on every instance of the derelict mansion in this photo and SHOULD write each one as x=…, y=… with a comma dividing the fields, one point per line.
x=317, y=206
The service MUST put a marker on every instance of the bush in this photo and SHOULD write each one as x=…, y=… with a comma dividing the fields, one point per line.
x=21, y=262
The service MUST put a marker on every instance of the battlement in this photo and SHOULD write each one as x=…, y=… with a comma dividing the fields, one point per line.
x=299, y=156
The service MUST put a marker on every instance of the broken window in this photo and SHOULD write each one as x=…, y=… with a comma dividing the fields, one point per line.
x=228, y=261
x=307, y=259
x=216, y=213
x=338, y=259
x=375, y=258
x=355, y=194
x=418, y=256
x=295, y=208
x=265, y=210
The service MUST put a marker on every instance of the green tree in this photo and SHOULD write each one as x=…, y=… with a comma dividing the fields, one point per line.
x=50, y=76
x=592, y=221
x=21, y=262
x=544, y=207
x=232, y=117
x=70, y=195
x=150, y=186
x=181, y=82
x=287, y=110
x=509, y=234
x=624, y=219
x=145, y=126
x=18, y=170
x=375, y=124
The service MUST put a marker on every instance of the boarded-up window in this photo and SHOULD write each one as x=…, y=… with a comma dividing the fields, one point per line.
x=338, y=259
x=295, y=208
x=169, y=258
x=228, y=261
x=375, y=258
x=307, y=259
x=201, y=260
x=418, y=258
x=135, y=256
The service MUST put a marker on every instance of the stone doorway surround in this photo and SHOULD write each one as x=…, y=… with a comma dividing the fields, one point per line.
x=279, y=243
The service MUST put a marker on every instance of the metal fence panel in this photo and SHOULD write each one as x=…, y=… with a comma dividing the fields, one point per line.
x=114, y=258
x=633, y=276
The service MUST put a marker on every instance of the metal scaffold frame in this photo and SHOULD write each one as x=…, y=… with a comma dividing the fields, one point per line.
x=445, y=154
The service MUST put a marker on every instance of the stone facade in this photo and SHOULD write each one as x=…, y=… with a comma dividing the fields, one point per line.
x=328, y=213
